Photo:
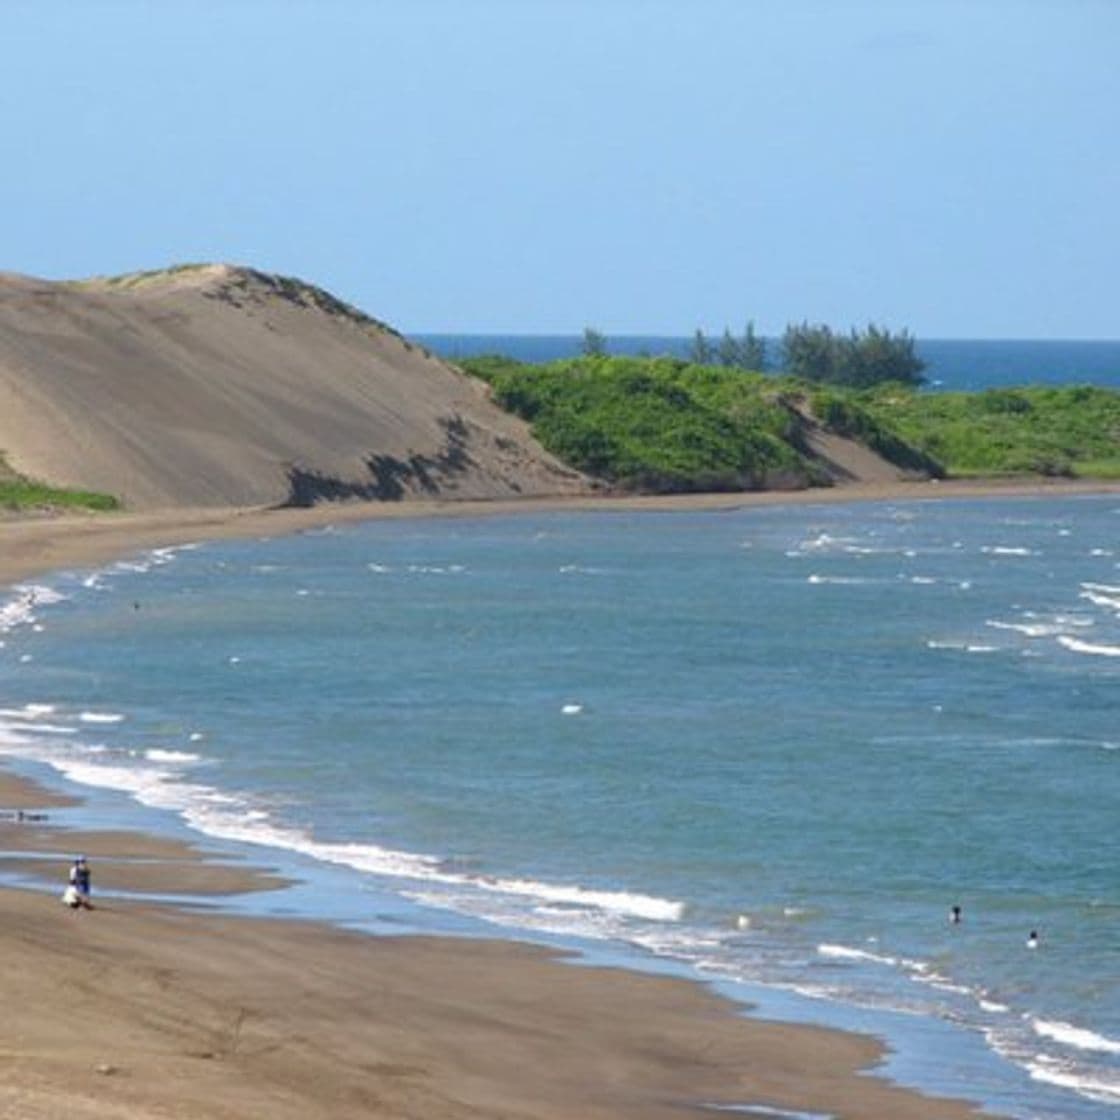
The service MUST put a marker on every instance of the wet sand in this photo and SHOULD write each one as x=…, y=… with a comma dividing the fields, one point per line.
x=136, y=1009
x=31, y=544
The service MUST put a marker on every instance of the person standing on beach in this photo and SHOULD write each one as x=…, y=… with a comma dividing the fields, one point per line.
x=79, y=881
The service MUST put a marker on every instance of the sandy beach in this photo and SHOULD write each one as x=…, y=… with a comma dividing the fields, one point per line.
x=138, y=1009
x=50, y=542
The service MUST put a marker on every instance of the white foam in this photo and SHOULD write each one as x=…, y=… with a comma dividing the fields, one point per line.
x=20, y=611
x=228, y=817
x=918, y=970
x=1109, y=602
x=1078, y=621
x=171, y=551
x=619, y=902
x=835, y=579
x=101, y=717
x=943, y=985
x=1030, y=629
x=157, y=754
x=846, y=953
x=28, y=711
x=824, y=542
x=572, y=709
x=1005, y=550
x=1078, y=1038
x=993, y=1007
x=1075, y=645
x=1093, y=1086
x=137, y=566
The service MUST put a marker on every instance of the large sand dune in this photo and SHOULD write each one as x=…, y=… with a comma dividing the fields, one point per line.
x=222, y=386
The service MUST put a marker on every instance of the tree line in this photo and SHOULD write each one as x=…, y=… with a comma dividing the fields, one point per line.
x=812, y=351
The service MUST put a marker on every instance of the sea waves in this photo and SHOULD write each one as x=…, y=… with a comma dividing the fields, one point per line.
x=940, y=610
x=1012, y=1034
x=158, y=778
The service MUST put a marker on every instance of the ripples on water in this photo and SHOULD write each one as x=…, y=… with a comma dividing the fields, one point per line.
x=773, y=746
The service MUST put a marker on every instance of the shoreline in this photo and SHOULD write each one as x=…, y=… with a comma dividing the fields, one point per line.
x=622, y=1043
x=32, y=545
x=124, y=1009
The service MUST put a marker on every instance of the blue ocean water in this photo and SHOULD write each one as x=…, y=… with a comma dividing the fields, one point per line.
x=970, y=364
x=768, y=747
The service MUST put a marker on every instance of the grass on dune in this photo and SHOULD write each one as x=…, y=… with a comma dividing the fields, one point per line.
x=18, y=494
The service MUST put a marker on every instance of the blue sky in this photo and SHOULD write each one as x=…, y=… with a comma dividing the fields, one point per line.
x=537, y=166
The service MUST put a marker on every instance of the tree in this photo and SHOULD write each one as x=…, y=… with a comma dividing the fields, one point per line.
x=809, y=352
x=858, y=359
x=876, y=356
x=728, y=350
x=701, y=351
x=752, y=349
x=594, y=343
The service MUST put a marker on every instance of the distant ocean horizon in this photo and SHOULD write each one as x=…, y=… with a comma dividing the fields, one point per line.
x=951, y=364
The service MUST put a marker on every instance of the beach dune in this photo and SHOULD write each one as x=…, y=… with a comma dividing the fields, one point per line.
x=215, y=385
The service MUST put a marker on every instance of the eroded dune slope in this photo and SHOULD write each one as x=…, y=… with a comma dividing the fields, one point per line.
x=222, y=386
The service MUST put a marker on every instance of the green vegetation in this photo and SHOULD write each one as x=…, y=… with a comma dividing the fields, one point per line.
x=859, y=359
x=139, y=279
x=746, y=353
x=667, y=425
x=19, y=493
x=662, y=424
x=1071, y=431
x=594, y=343
x=841, y=412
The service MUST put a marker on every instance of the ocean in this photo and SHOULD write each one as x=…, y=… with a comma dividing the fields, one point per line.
x=767, y=748
x=969, y=364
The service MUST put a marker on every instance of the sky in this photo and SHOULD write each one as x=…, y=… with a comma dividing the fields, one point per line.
x=538, y=166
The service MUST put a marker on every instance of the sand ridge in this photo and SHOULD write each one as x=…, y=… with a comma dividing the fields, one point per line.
x=223, y=386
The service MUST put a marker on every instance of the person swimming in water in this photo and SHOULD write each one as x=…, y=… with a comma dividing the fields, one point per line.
x=1032, y=939
x=955, y=915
